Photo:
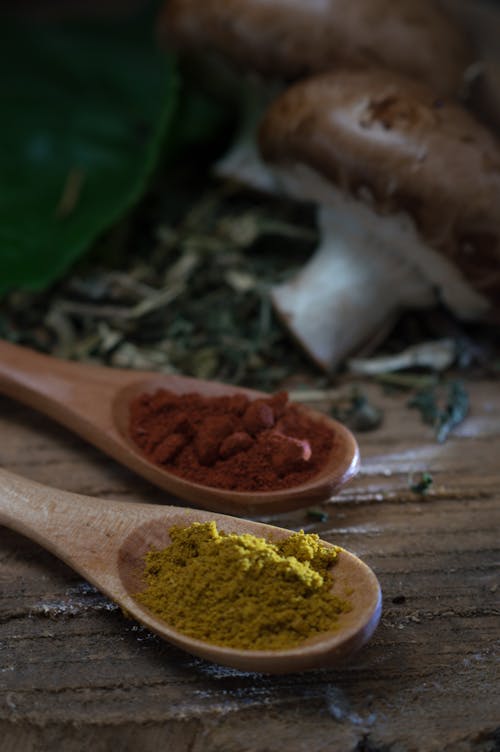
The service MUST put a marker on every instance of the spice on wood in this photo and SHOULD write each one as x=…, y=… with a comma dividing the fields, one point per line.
x=230, y=442
x=243, y=591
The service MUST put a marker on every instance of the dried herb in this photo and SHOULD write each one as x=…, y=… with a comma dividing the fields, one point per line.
x=317, y=514
x=423, y=485
x=359, y=414
x=188, y=293
x=443, y=417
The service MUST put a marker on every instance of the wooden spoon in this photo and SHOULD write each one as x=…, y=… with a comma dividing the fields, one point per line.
x=106, y=542
x=93, y=401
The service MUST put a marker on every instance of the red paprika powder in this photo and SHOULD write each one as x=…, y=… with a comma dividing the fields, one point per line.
x=230, y=442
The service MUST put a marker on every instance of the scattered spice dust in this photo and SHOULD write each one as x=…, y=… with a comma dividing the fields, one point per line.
x=230, y=442
x=243, y=591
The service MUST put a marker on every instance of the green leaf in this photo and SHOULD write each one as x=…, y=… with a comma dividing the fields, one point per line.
x=85, y=109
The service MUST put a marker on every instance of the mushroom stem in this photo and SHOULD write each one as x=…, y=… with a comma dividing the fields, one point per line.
x=242, y=162
x=355, y=282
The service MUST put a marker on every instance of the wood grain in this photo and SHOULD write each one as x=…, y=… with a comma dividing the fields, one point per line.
x=75, y=674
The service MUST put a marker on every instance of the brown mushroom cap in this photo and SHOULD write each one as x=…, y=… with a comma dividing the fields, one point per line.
x=372, y=133
x=291, y=38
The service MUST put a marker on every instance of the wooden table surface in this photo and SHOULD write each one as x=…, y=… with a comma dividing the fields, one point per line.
x=75, y=674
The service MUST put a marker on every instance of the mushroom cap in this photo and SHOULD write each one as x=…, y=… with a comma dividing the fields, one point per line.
x=288, y=39
x=389, y=140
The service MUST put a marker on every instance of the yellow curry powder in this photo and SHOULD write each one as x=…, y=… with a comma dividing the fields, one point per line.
x=242, y=591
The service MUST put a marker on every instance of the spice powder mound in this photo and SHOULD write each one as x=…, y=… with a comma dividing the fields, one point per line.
x=242, y=591
x=230, y=442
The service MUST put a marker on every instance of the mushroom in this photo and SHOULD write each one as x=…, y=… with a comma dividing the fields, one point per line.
x=289, y=39
x=408, y=186
x=274, y=42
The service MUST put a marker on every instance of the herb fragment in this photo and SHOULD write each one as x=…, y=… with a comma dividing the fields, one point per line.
x=317, y=514
x=423, y=484
x=359, y=414
x=445, y=418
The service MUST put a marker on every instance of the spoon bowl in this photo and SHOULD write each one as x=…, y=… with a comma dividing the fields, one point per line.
x=106, y=541
x=93, y=401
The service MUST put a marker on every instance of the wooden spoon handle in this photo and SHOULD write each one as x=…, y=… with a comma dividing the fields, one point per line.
x=59, y=388
x=52, y=518
x=84, y=532
x=25, y=373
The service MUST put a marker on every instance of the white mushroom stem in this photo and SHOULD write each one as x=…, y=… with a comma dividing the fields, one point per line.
x=242, y=162
x=367, y=268
x=355, y=282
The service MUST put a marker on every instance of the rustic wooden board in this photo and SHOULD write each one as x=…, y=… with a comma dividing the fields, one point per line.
x=75, y=674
